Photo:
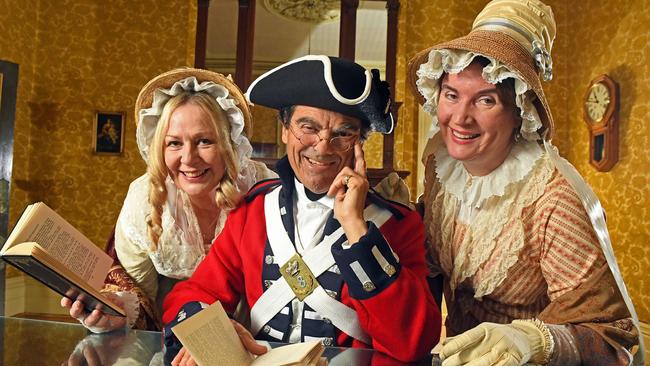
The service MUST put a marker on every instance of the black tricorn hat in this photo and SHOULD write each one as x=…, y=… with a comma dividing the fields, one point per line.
x=329, y=83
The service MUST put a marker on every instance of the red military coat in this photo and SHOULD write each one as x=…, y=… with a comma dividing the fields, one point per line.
x=399, y=314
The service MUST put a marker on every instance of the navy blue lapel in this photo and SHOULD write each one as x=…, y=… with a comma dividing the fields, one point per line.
x=286, y=195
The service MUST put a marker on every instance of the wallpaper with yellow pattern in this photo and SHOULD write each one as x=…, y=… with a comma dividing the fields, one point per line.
x=618, y=48
x=77, y=57
x=593, y=38
x=17, y=27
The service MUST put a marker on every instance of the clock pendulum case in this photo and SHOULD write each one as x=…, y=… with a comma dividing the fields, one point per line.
x=601, y=110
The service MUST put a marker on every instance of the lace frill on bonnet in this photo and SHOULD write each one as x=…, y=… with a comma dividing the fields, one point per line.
x=181, y=246
x=455, y=61
x=495, y=203
x=149, y=119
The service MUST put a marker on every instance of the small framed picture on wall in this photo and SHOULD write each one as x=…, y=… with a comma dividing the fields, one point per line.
x=108, y=136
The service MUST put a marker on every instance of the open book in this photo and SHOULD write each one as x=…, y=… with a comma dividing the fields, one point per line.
x=49, y=249
x=212, y=340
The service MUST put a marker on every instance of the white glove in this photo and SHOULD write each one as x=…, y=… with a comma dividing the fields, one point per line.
x=490, y=344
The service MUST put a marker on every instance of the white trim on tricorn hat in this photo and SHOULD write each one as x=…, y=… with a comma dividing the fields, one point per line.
x=327, y=75
x=329, y=83
x=155, y=94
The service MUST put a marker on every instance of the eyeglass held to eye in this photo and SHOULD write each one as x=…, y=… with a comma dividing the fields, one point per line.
x=310, y=136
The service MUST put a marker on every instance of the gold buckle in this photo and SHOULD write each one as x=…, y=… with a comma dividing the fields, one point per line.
x=299, y=277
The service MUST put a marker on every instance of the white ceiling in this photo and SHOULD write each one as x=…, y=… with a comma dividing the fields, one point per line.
x=278, y=39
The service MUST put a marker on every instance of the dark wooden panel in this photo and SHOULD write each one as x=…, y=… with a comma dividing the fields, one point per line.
x=201, y=33
x=245, y=33
x=348, y=29
x=8, y=92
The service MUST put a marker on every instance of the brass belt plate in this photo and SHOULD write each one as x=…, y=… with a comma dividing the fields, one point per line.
x=299, y=277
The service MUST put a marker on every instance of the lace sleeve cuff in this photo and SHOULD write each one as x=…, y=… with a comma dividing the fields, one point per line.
x=131, y=306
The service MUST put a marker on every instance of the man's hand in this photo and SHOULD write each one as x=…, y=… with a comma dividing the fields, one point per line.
x=96, y=321
x=184, y=358
x=349, y=190
x=247, y=339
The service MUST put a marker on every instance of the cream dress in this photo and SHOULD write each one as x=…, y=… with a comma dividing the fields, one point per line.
x=180, y=248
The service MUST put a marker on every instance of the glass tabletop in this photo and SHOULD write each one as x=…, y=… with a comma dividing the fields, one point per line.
x=40, y=342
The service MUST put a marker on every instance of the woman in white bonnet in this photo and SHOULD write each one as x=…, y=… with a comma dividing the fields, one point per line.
x=515, y=233
x=192, y=127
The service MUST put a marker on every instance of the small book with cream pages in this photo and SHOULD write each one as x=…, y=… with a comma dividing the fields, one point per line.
x=211, y=339
x=46, y=247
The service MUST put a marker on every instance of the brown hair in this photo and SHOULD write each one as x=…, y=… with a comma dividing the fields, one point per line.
x=505, y=88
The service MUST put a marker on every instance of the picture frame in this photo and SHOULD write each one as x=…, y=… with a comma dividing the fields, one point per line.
x=108, y=133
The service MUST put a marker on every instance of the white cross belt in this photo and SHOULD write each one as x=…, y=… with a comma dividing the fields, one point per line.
x=318, y=259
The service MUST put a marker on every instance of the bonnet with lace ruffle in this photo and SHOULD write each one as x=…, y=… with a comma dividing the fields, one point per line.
x=516, y=37
x=155, y=94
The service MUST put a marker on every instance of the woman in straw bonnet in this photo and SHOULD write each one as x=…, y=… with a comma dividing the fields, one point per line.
x=518, y=237
x=192, y=127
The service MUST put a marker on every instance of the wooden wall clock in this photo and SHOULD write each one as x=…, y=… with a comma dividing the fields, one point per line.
x=601, y=109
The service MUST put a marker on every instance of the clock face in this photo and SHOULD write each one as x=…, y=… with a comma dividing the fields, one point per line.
x=597, y=102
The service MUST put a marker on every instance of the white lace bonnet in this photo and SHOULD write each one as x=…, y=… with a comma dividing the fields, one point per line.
x=516, y=36
x=155, y=94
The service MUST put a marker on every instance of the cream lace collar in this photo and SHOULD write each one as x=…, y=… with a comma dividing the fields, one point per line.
x=474, y=191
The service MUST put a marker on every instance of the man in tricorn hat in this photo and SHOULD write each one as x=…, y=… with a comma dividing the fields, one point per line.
x=316, y=254
x=513, y=230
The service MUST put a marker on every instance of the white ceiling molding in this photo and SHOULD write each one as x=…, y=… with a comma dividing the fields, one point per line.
x=309, y=11
x=278, y=40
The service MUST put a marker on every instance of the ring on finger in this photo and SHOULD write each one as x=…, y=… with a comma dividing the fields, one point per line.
x=346, y=180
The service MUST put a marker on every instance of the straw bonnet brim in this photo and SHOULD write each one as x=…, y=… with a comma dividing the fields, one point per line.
x=167, y=80
x=501, y=47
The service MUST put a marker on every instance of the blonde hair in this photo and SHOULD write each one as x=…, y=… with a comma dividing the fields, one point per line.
x=227, y=195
